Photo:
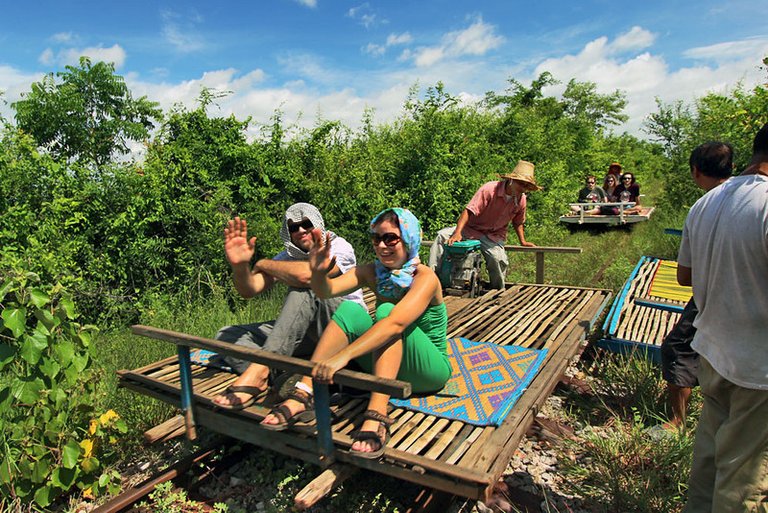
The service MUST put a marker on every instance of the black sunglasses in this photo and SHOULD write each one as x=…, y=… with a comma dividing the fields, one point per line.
x=306, y=224
x=390, y=239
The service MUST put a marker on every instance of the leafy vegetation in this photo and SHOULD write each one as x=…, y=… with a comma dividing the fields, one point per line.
x=122, y=240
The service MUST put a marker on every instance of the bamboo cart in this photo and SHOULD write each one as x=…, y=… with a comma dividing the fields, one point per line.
x=439, y=453
x=638, y=320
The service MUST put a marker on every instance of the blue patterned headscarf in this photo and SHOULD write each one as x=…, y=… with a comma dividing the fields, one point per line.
x=394, y=283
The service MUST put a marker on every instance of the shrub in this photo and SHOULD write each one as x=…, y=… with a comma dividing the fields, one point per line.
x=51, y=440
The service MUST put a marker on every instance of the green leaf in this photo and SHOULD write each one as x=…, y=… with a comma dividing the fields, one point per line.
x=64, y=477
x=26, y=391
x=44, y=495
x=70, y=453
x=49, y=368
x=47, y=318
x=5, y=288
x=104, y=479
x=15, y=320
x=90, y=465
x=68, y=306
x=80, y=362
x=64, y=351
x=6, y=354
x=32, y=347
x=39, y=297
x=40, y=470
x=5, y=471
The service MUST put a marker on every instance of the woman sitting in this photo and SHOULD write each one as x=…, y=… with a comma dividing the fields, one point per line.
x=629, y=191
x=610, y=182
x=407, y=341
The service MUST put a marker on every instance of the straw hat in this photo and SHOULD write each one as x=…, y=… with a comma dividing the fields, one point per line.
x=523, y=172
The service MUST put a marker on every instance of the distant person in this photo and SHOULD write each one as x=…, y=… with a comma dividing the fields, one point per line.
x=407, y=341
x=616, y=170
x=629, y=191
x=487, y=217
x=610, y=183
x=303, y=315
x=724, y=256
x=711, y=164
x=590, y=193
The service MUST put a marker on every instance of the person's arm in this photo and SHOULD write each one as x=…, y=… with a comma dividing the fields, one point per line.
x=460, y=224
x=406, y=312
x=325, y=279
x=291, y=272
x=520, y=231
x=684, y=275
x=239, y=250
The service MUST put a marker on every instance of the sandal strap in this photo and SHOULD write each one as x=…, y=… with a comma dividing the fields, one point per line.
x=301, y=396
x=379, y=417
x=282, y=412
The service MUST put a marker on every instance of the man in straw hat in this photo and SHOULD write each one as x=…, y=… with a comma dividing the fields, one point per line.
x=303, y=316
x=486, y=218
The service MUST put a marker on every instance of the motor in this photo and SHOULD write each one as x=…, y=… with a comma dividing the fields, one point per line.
x=460, y=268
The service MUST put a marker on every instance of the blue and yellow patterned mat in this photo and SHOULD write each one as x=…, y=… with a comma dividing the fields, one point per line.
x=486, y=382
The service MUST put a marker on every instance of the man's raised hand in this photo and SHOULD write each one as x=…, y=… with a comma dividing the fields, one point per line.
x=238, y=249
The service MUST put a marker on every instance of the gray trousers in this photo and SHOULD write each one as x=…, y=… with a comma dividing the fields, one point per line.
x=496, y=260
x=295, y=332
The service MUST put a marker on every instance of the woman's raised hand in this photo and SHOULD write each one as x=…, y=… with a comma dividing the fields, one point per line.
x=237, y=247
x=320, y=252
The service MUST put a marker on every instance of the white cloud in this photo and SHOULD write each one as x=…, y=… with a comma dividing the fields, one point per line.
x=392, y=40
x=757, y=46
x=181, y=33
x=71, y=56
x=645, y=76
x=364, y=14
x=46, y=58
x=307, y=3
x=399, y=39
x=636, y=39
x=477, y=39
x=63, y=37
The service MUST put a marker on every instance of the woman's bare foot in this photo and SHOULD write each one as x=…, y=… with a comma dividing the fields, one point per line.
x=245, y=389
x=370, y=445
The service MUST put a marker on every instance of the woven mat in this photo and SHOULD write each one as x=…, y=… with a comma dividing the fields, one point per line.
x=664, y=283
x=486, y=382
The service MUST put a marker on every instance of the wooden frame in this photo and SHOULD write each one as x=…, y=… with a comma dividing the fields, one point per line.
x=443, y=454
x=617, y=219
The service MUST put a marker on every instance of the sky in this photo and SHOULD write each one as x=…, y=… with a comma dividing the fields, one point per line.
x=333, y=60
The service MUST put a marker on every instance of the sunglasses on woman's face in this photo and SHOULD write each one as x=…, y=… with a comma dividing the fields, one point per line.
x=627, y=178
x=390, y=239
x=306, y=224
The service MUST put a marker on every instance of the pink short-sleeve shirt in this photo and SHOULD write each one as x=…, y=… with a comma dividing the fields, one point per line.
x=493, y=211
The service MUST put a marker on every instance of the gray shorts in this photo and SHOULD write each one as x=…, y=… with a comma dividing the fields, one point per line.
x=679, y=362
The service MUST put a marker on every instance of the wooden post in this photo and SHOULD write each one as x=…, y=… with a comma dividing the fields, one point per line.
x=185, y=375
x=539, y=267
x=323, y=415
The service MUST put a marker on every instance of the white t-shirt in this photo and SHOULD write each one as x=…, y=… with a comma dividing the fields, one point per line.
x=345, y=260
x=725, y=243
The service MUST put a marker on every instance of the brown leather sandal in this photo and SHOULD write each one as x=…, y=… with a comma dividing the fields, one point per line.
x=284, y=415
x=381, y=435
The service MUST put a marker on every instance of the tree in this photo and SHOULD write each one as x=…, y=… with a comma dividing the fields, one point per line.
x=88, y=115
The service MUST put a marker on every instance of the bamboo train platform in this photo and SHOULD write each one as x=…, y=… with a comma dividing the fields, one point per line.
x=446, y=455
x=639, y=320
x=619, y=219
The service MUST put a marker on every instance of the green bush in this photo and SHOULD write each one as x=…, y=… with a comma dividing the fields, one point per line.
x=51, y=439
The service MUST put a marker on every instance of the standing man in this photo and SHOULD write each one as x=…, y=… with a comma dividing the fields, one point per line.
x=486, y=218
x=711, y=164
x=724, y=256
x=303, y=316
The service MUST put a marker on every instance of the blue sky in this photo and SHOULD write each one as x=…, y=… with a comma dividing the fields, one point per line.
x=331, y=59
